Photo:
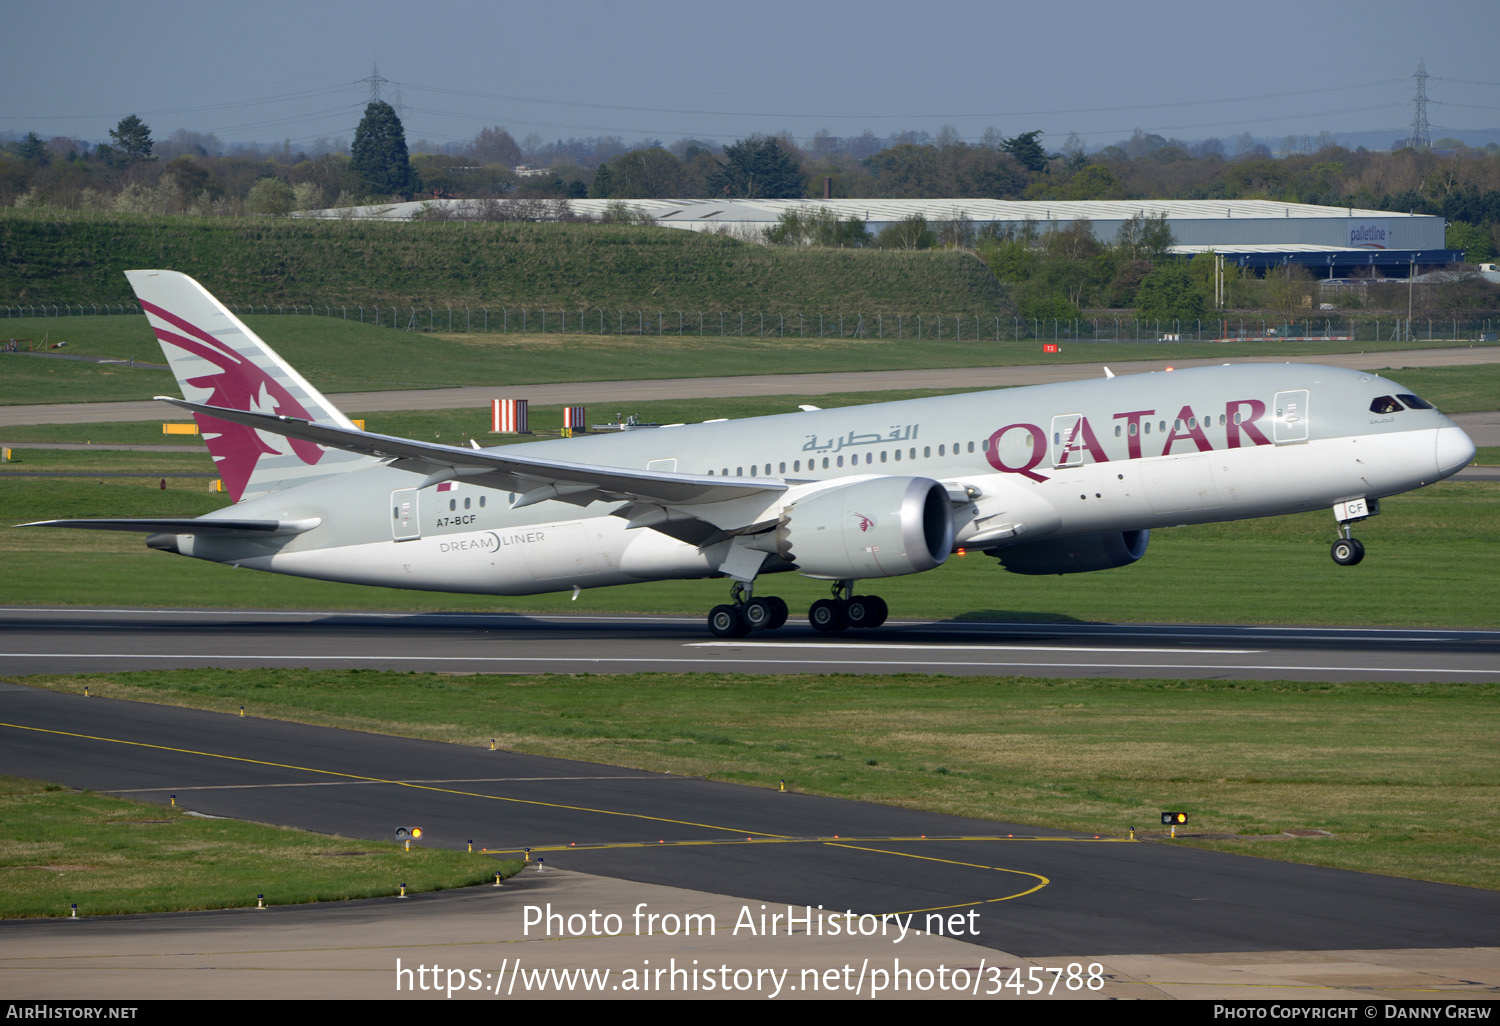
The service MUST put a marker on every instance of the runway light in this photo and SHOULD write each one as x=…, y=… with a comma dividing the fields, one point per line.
x=1174, y=819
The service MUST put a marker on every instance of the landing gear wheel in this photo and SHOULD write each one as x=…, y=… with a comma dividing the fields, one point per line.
x=1348, y=551
x=726, y=622
x=828, y=616
x=779, y=612
x=760, y=613
x=866, y=611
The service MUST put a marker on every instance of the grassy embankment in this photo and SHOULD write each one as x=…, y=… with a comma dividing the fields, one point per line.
x=1399, y=775
x=111, y=856
x=58, y=257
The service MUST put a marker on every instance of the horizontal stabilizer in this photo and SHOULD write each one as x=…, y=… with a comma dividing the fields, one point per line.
x=188, y=525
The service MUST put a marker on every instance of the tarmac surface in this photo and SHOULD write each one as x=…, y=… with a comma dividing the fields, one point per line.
x=102, y=640
x=610, y=392
x=1159, y=920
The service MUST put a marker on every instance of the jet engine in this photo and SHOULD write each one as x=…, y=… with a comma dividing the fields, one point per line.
x=876, y=527
x=1075, y=555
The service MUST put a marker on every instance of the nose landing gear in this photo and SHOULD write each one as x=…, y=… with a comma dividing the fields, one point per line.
x=1349, y=550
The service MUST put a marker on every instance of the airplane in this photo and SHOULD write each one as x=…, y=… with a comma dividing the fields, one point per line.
x=1049, y=479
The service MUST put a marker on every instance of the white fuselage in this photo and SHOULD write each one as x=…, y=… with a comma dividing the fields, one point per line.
x=1025, y=464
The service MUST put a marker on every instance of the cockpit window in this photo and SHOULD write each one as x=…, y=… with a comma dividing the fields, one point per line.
x=1416, y=402
x=1385, y=404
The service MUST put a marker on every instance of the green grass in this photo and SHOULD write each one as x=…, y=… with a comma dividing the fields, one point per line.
x=110, y=856
x=344, y=356
x=82, y=462
x=1421, y=569
x=61, y=257
x=1400, y=774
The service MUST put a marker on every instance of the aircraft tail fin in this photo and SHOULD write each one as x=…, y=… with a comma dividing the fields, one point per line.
x=220, y=362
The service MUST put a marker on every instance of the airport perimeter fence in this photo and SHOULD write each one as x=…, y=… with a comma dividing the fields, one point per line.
x=950, y=327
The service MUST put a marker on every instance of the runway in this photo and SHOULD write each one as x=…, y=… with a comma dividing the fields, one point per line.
x=1036, y=895
x=608, y=392
x=100, y=640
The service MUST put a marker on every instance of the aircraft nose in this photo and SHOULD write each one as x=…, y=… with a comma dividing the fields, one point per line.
x=1454, y=450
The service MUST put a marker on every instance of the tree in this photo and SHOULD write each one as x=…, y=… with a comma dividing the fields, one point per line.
x=1143, y=236
x=1472, y=239
x=1288, y=291
x=758, y=168
x=380, y=162
x=908, y=233
x=642, y=174
x=33, y=150
x=1169, y=292
x=817, y=227
x=1028, y=151
x=270, y=196
x=132, y=139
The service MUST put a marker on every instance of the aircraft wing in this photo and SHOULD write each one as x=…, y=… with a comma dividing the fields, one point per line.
x=186, y=525
x=533, y=478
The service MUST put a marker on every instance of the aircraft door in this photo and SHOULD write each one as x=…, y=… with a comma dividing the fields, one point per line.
x=405, y=523
x=1290, y=423
x=1067, y=448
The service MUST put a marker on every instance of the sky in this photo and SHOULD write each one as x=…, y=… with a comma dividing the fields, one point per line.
x=664, y=69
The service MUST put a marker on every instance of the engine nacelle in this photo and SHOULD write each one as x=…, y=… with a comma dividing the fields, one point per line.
x=1075, y=555
x=878, y=527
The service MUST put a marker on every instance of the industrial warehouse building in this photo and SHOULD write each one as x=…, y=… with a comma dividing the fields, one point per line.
x=1332, y=242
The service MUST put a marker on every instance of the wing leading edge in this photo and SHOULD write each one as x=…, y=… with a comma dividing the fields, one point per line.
x=532, y=478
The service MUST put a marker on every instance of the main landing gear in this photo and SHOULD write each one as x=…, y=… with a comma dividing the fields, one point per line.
x=847, y=610
x=743, y=614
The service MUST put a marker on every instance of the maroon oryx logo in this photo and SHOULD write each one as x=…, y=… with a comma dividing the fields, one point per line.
x=237, y=383
x=865, y=523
